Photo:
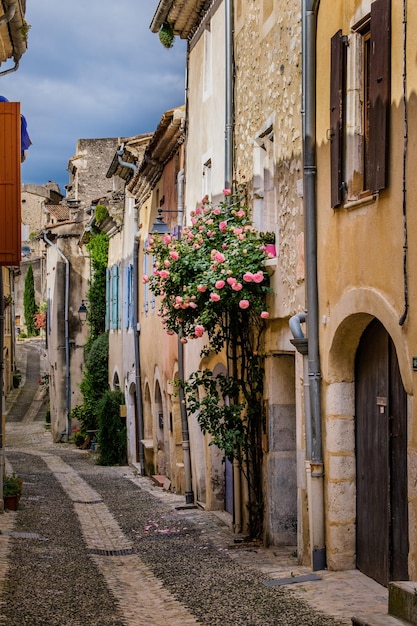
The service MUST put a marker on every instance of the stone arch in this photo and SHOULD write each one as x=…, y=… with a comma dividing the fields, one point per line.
x=344, y=327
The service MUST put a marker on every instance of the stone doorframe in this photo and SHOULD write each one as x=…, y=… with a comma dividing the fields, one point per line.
x=339, y=339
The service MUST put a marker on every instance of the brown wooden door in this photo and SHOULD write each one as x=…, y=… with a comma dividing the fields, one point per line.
x=381, y=459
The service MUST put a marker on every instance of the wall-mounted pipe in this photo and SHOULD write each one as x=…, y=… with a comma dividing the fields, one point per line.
x=138, y=379
x=316, y=492
x=189, y=495
x=67, y=350
x=229, y=90
x=10, y=13
x=120, y=153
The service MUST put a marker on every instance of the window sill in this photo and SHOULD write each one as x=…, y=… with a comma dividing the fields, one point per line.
x=354, y=204
x=271, y=265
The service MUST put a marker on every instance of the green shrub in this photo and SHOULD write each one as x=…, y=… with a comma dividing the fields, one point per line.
x=95, y=381
x=111, y=430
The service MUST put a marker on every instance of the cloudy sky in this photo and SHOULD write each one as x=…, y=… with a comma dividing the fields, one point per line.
x=93, y=69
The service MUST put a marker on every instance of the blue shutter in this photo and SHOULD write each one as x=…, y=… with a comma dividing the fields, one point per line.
x=108, y=279
x=126, y=297
x=114, y=297
x=131, y=299
x=146, y=286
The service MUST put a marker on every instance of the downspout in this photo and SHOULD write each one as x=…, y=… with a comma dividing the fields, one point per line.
x=229, y=88
x=120, y=153
x=138, y=379
x=189, y=495
x=228, y=181
x=67, y=353
x=10, y=13
x=315, y=473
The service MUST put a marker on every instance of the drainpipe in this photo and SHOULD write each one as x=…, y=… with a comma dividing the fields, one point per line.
x=67, y=353
x=120, y=153
x=315, y=473
x=229, y=87
x=228, y=181
x=189, y=495
x=138, y=381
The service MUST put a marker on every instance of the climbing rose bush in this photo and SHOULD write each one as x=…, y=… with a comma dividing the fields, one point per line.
x=215, y=271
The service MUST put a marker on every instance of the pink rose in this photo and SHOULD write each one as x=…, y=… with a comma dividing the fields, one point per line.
x=184, y=340
x=164, y=273
x=219, y=284
x=237, y=286
x=248, y=277
x=223, y=225
x=244, y=304
x=167, y=263
x=145, y=279
x=264, y=315
x=199, y=330
x=215, y=297
x=240, y=213
x=258, y=277
x=202, y=288
x=167, y=239
x=198, y=210
x=192, y=305
x=216, y=211
x=174, y=255
x=226, y=192
x=219, y=256
x=231, y=280
x=178, y=299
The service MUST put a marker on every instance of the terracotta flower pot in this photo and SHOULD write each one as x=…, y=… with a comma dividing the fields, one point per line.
x=11, y=502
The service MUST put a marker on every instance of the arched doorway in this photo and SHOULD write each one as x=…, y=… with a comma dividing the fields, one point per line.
x=381, y=458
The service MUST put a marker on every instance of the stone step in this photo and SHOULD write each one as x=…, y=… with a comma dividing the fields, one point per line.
x=402, y=600
x=378, y=619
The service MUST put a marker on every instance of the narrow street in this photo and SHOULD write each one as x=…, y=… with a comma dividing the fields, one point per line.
x=93, y=545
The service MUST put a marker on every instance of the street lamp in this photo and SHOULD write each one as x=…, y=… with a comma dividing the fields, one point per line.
x=82, y=312
x=161, y=228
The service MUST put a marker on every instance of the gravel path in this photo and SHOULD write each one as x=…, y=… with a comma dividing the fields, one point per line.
x=93, y=546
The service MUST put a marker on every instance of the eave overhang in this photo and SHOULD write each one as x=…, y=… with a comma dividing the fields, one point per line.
x=167, y=138
x=13, y=30
x=183, y=15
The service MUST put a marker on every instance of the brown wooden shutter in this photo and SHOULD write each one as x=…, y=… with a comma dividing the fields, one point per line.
x=10, y=221
x=336, y=118
x=379, y=94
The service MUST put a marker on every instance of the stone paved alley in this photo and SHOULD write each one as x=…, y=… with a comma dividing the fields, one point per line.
x=93, y=545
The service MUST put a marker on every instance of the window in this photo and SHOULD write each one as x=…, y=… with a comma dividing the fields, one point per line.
x=359, y=107
x=128, y=297
x=264, y=206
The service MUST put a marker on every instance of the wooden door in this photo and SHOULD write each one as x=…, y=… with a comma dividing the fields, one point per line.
x=381, y=459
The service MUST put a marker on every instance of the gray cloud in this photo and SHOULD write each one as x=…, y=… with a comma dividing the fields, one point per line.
x=92, y=69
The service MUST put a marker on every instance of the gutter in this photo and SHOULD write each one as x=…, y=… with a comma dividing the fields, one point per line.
x=315, y=467
x=229, y=89
x=120, y=153
x=138, y=380
x=309, y=347
x=67, y=430
x=189, y=495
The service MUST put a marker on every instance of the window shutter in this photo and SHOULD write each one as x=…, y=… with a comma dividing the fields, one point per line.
x=336, y=118
x=131, y=299
x=146, y=286
x=114, y=297
x=10, y=202
x=126, y=297
x=379, y=94
x=108, y=280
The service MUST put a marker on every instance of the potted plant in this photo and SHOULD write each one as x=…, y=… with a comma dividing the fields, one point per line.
x=268, y=240
x=12, y=490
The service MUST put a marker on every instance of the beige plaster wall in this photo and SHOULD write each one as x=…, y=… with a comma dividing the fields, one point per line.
x=361, y=275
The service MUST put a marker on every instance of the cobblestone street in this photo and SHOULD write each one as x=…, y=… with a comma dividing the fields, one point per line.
x=92, y=545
